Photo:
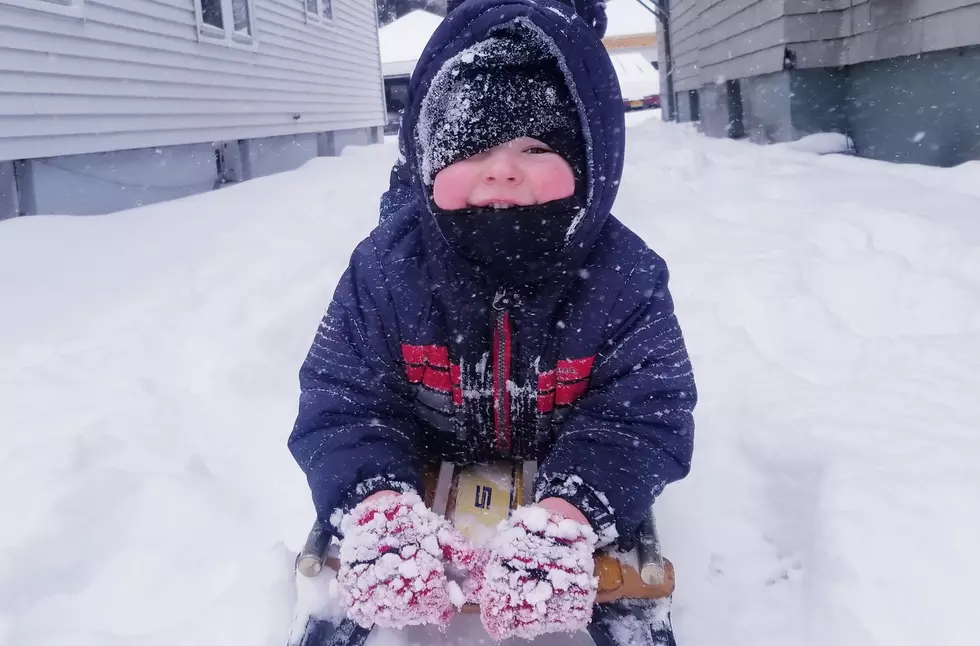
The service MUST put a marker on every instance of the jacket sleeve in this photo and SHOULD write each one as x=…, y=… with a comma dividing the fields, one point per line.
x=633, y=431
x=355, y=432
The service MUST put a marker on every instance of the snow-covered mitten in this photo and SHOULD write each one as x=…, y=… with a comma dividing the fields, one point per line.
x=539, y=578
x=393, y=559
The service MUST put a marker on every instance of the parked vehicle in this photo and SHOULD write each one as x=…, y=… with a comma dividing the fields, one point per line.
x=639, y=81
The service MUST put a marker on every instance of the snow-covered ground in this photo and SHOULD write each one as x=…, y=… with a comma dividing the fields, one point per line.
x=148, y=366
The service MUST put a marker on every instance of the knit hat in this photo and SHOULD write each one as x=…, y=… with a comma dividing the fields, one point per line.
x=503, y=88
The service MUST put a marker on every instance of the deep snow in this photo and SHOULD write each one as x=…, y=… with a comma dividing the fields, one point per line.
x=148, y=366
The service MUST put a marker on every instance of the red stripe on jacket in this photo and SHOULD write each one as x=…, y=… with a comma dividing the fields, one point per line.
x=575, y=369
x=564, y=385
x=429, y=365
x=438, y=380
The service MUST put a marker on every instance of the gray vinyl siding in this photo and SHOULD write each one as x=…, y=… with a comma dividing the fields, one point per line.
x=742, y=38
x=685, y=41
x=885, y=30
x=716, y=40
x=826, y=33
x=135, y=74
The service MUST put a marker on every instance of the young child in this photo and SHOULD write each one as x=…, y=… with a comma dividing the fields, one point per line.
x=499, y=311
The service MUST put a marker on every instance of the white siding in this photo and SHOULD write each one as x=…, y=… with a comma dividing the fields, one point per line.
x=135, y=73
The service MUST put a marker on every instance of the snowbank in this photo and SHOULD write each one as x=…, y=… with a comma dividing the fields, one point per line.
x=147, y=385
x=822, y=143
x=831, y=306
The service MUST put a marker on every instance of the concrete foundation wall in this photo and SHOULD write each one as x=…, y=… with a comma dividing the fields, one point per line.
x=817, y=100
x=785, y=106
x=715, y=114
x=272, y=155
x=358, y=137
x=766, y=106
x=921, y=109
x=683, y=103
x=918, y=109
x=106, y=182
x=9, y=206
x=101, y=183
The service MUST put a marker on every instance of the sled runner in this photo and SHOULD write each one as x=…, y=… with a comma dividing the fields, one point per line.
x=633, y=600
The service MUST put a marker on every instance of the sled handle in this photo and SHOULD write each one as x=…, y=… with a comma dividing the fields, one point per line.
x=651, y=558
x=315, y=551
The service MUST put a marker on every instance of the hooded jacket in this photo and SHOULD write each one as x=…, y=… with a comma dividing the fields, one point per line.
x=420, y=358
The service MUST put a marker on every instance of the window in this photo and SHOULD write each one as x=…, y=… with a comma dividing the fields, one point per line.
x=242, y=17
x=72, y=8
x=211, y=13
x=319, y=10
x=229, y=21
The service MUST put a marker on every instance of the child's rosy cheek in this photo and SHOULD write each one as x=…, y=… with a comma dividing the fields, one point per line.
x=452, y=187
x=555, y=182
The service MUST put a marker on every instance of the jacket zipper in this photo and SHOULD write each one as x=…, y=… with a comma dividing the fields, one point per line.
x=501, y=374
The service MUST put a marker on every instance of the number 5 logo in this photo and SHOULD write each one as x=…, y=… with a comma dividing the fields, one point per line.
x=483, y=496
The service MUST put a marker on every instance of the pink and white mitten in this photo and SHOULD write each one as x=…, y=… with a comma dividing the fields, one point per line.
x=540, y=576
x=393, y=559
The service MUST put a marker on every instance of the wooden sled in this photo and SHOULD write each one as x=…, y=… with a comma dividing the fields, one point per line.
x=475, y=498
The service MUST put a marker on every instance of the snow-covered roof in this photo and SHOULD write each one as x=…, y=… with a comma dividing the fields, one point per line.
x=628, y=18
x=403, y=40
x=637, y=77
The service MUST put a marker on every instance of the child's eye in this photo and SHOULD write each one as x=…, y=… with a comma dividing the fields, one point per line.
x=538, y=150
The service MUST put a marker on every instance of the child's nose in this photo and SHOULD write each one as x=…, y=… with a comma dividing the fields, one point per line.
x=502, y=169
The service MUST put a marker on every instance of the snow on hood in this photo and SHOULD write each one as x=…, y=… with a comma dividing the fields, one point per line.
x=589, y=75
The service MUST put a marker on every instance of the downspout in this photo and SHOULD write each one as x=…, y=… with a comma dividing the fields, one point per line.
x=661, y=10
x=381, y=71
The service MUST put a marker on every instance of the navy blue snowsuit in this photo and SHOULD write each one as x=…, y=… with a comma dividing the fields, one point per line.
x=420, y=358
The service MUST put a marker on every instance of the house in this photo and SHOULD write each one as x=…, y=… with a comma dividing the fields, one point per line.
x=108, y=104
x=639, y=82
x=402, y=42
x=901, y=77
x=631, y=29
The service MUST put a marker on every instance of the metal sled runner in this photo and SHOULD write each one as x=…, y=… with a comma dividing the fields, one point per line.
x=633, y=601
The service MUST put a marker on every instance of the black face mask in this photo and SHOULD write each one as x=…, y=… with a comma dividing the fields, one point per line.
x=515, y=247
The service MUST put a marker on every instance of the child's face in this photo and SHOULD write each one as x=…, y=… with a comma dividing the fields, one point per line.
x=521, y=172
